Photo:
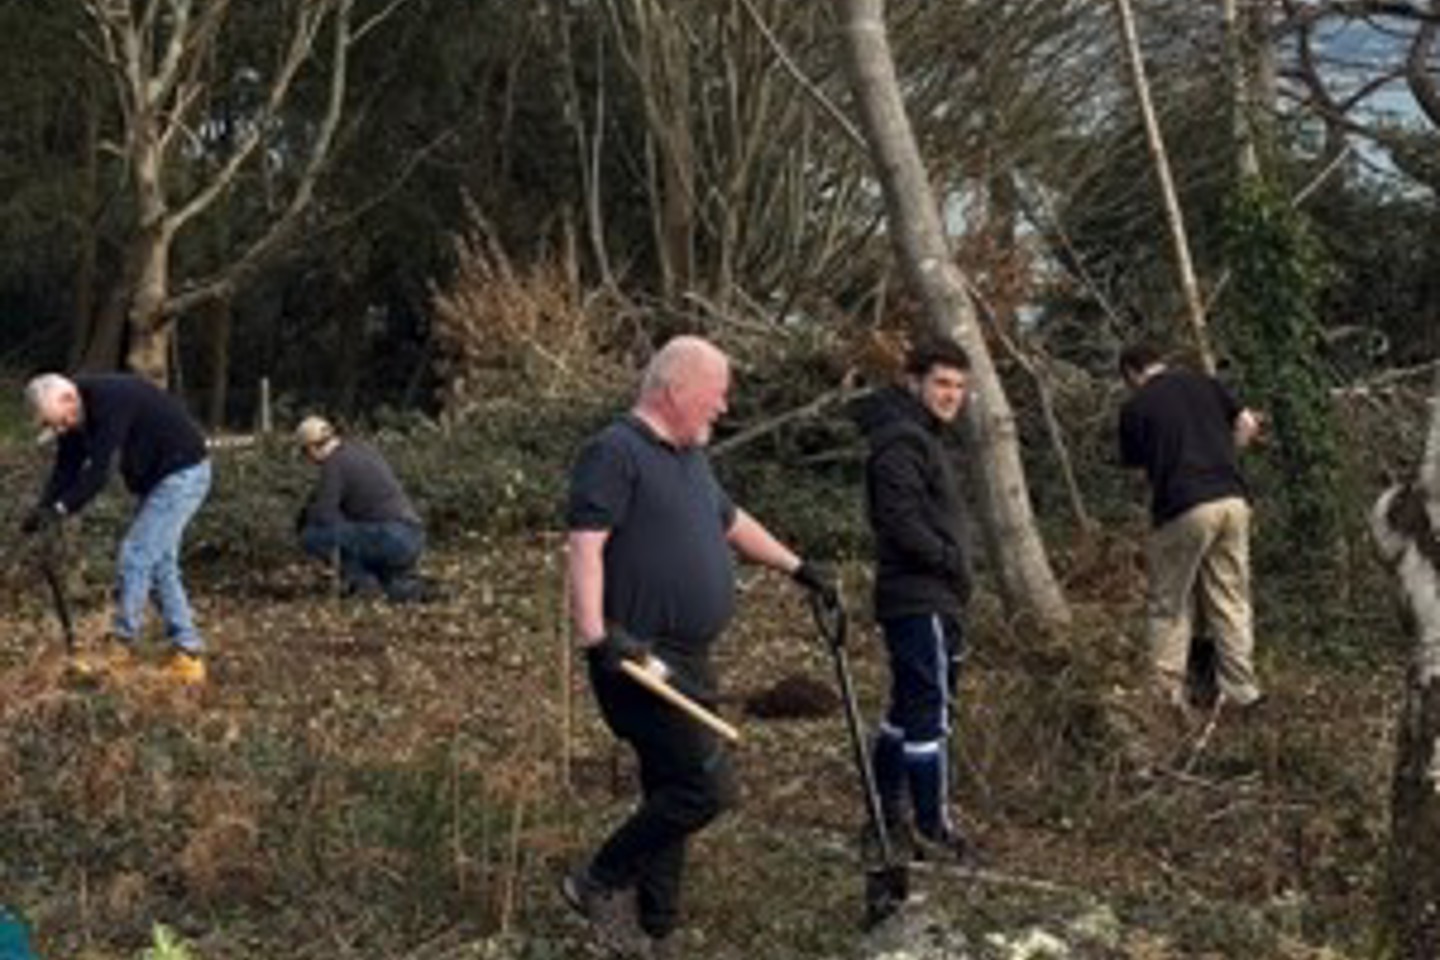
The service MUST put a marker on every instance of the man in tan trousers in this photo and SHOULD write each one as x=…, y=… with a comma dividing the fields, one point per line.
x=1185, y=429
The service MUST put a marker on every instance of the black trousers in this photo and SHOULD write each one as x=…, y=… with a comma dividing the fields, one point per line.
x=686, y=781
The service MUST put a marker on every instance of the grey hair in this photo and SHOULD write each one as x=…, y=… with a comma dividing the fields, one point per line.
x=42, y=392
x=680, y=358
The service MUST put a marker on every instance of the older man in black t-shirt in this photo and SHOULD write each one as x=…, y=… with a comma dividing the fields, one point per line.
x=651, y=534
x=1184, y=429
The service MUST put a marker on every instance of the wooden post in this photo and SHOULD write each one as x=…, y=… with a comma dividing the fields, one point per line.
x=564, y=638
x=266, y=424
x=1160, y=159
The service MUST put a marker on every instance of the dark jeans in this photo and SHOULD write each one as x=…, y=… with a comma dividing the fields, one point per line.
x=686, y=781
x=370, y=553
x=909, y=755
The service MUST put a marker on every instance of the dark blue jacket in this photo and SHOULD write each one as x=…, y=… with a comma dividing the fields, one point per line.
x=125, y=414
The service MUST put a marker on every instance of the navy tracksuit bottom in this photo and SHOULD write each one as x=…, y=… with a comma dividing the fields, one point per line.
x=910, y=755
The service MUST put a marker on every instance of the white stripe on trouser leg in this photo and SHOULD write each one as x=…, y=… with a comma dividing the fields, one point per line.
x=924, y=749
x=942, y=681
x=942, y=671
x=942, y=678
x=926, y=760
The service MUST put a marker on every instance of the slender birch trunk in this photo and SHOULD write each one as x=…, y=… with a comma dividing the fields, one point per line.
x=1026, y=582
x=1406, y=526
x=1174, y=219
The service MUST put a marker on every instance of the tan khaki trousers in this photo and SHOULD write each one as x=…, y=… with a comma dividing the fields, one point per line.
x=1199, y=563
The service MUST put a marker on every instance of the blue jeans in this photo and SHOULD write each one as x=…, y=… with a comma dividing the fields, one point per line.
x=149, y=564
x=380, y=553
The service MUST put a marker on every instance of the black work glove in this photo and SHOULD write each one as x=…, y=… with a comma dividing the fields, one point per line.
x=819, y=582
x=618, y=645
x=40, y=517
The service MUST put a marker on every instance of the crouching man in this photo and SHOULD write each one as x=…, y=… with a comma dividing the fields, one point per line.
x=359, y=516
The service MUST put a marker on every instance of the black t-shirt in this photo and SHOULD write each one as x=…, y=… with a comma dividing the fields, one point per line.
x=129, y=415
x=669, y=571
x=1180, y=426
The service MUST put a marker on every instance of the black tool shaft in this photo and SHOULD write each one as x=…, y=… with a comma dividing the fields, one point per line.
x=57, y=596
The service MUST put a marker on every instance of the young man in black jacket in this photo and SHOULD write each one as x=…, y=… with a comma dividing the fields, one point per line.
x=922, y=583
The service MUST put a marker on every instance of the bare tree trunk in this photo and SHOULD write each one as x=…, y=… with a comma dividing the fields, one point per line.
x=158, y=63
x=1406, y=525
x=1027, y=584
x=105, y=347
x=148, y=352
x=86, y=268
x=1194, y=306
x=1247, y=155
x=655, y=48
x=349, y=367
x=222, y=316
x=589, y=141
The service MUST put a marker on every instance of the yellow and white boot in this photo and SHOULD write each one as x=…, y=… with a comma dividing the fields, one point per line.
x=184, y=668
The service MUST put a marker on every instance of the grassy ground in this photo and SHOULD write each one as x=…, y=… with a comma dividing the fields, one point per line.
x=360, y=780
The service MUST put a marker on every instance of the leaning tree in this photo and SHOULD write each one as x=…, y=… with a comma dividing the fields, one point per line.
x=1406, y=525
x=1027, y=583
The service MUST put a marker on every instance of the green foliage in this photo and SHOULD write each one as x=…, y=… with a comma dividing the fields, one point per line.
x=1272, y=330
x=167, y=946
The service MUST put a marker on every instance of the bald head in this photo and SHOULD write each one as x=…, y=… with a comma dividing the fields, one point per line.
x=684, y=388
x=681, y=359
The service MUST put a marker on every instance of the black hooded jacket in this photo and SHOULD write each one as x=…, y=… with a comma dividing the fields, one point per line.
x=915, y=509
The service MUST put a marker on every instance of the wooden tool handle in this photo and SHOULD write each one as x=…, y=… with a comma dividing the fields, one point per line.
x=675, y=698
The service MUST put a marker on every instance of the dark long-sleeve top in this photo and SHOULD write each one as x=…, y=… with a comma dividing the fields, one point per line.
x=357, y=485
x=915, y=508
x=124, y=414
x=1180, y=427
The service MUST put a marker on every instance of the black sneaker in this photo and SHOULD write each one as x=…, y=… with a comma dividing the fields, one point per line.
x=412, y=589
x=609, y=912
x=900, y=836
x=949, y=848
x=660, y=948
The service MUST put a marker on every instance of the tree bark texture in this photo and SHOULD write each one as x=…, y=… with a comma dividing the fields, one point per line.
x=158, y=62
x=1026, y=582
x=217, y=392
x=1247, y=156
x=1406, y=526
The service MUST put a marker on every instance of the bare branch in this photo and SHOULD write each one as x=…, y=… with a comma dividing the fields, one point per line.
x=1418, y=74
x=845, y=392
x=308, y=19
x=791, y=67
x=1305, y=15
x=162, y=78
x=380, y=17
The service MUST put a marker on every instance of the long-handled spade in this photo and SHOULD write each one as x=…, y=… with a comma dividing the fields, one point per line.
x=887, y=884
x=49, y=556
x=78, y=672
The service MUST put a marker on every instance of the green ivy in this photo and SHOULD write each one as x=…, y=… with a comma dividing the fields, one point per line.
x=1272, y=331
